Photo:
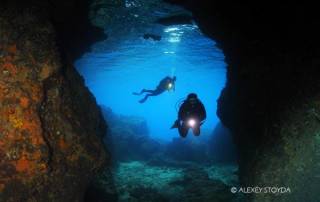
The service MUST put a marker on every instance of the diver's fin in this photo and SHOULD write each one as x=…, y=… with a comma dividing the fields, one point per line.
x=175, y=125
x=143, y=100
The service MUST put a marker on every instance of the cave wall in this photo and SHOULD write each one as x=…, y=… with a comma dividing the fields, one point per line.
x=51, y=128
x=271, y=99
x=51, y=147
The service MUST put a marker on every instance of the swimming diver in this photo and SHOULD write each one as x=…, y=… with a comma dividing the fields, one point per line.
x=166, y=83
x=191, y=115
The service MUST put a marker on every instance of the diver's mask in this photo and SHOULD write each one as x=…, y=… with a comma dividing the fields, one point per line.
x=193, y=101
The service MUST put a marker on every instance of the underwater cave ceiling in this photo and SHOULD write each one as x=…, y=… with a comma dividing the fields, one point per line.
x=270, y=103
x=131, y=19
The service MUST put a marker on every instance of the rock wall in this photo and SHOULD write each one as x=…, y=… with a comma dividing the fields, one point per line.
x=271, y=98
x=129, y=137
x=51, y=129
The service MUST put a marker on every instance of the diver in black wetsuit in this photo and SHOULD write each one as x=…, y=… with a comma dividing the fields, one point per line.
x=166, y=83
x=191, y=115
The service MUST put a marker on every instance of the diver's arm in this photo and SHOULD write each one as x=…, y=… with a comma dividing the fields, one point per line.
x=181, y=111
x=204, y=114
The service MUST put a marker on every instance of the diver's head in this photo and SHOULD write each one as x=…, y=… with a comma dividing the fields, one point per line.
x=192, y=96
x=174, y=78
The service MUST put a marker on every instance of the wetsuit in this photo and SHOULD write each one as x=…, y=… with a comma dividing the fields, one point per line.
x=191, y=108
x=162, y=86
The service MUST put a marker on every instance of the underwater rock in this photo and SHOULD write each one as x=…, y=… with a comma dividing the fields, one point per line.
x=129, y=137
x=273, y=84
x=152, y=36
x=51, y=147
x=75, y=33
x=198, y=187
x=221, y=147
x=126, y=20
x=138, y=181
x=102, y=11
x=102, y=189
x=181, y=19
x=188, y=149
x=147, y=194
x=227, y=173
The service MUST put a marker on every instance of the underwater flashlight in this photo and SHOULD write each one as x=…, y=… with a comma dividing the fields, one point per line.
x=169, y=85
x=191, y=123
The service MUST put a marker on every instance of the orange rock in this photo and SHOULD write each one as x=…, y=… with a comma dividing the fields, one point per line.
x=63, y=144
x=12, y=49
x=45, y=72
x=24, y=102
x=1, y=187
x=15, y=121
x=22, y=165
x=32, y=59
x=10, y=67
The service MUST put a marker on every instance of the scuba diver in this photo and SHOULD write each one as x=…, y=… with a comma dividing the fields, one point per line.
x=166, y=83
x=191, y=115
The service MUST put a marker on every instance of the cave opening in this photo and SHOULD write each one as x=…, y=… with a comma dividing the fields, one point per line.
x=147, y=41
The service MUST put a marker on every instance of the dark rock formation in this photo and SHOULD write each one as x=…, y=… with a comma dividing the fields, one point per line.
x=221, y=146
x=129, y=20
x=74, y=33
x=129, y=138
x=51, y=148
x=102, y=188
x=198, y=187
x=175, y=20
x=51, y=129
x=152, y=36
x=270, y=102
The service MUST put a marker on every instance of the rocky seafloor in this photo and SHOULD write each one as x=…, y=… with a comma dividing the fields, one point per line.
x=149, y=169
x=140, y=181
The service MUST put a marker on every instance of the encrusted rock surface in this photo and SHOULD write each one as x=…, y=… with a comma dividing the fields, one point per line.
x=51, y=129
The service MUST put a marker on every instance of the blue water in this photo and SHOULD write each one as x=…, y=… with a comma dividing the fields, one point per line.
x=112, y=73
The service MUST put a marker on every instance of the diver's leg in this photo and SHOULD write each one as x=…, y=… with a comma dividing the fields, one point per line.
x=196, y=131
x=152, y=93
x=149, y=91
x=183, y=130
x=142, y=91
x=144, y=99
